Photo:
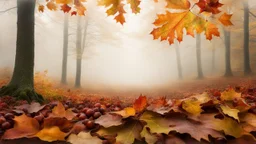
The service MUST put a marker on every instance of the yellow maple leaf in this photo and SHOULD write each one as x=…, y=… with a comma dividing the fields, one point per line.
x=127, y=112
x=192, y=106
x=230, y=112
x=134, y=5
x=51, y=134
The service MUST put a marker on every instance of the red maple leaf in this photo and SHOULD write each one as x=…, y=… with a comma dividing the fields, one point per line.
x=210, y=6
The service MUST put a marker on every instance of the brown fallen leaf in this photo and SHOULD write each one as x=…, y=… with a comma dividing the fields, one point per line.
x=59, y=111
x=31, y=108
x=24, y=126
x=109, y=120
x=83, y=138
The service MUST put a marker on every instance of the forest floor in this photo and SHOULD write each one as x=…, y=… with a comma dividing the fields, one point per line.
x=106, y=116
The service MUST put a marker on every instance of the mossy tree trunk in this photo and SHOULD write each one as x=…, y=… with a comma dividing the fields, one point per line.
x=21, y=85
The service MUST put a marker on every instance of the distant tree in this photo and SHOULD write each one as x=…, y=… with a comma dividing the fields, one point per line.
x=228, y=70
x=179, y=67
x=65, y=49
x=78, y=53
x=247, y=67
x=198, y=57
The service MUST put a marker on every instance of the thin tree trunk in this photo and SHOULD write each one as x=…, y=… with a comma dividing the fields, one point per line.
x=228, y=72
x=247, y=67
x=79, y=53
x=21, y=85
x=65, y=50
x=177, y=49
x=198, y=56
x=213, y=57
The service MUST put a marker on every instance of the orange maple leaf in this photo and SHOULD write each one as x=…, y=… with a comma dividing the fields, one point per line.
x=171, y=26
x=65, y=8
x=178, y=4
x=225, y=19
x=115, y=7
x=51, y=5
x=41, y=8
x=140, y=103
x=210, y=6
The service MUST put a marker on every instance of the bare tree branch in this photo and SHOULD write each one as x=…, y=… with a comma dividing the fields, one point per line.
x=252, y=14
x=8, y=9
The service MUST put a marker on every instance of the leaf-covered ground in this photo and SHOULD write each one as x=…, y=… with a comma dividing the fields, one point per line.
x=214, y=115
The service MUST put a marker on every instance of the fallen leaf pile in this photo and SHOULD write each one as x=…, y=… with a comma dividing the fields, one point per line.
x=224, y=117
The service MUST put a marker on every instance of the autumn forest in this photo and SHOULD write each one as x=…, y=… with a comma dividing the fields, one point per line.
x=128, y=72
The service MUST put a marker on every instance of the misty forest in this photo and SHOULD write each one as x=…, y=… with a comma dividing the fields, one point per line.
x=128, y=72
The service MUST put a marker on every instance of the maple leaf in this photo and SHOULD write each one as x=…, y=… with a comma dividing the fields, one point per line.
x=80, y=8
x=73, y=13
x=83, y=138
x=155, y=122
x=192, y=106
x=149, y=138
x=109, y=120
x=170, y=24
x=126, y=112
x=230, y=112
x=65, y=8
x=159, y=124
x=230, y=95
x=64, y=1
x=23, y=127
x=59, y=111
x=210, y=6
x=51, y=134
x=116, y=7
x=225, y=19
x=134, y=5
x=126, y=134
x=140, y=103
x=51, y=5
x=31, y=108
x=249, y=118
x=41, y=8
x=203, y=98
x=228, y=125
x=178, y=4
x=64, y=124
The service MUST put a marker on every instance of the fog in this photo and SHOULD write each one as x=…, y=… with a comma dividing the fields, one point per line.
x=117, y=56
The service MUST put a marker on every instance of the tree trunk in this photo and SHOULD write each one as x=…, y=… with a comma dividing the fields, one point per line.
x=228, y=72
x=22, y=82
x=213, y=57
x=78, y=53
x=65, y=50
x=198, y=57
x=247, y=67
x=177, y=49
